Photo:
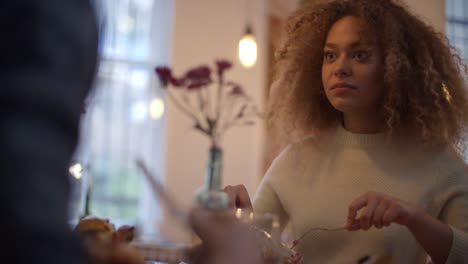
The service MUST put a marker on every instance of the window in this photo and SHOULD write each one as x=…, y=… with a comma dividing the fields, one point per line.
x=457, y=25
x=124, y=117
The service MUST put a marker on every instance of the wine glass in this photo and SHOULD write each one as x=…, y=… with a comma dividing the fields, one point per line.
x=267, y=229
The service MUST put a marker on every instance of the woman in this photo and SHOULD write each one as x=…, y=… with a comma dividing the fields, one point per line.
x=374, y=104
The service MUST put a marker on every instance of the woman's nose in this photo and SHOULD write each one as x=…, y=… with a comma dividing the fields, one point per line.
x=342, y=69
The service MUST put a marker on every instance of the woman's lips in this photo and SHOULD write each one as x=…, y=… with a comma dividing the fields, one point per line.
x=342, y=88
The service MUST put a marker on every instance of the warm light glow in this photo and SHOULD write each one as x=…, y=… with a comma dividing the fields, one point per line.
x=447, y=95
x=248, y=51
x=156, y=108
x=76, y=170
x=238, y=213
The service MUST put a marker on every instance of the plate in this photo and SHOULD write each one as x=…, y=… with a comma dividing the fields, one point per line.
x=162, y=251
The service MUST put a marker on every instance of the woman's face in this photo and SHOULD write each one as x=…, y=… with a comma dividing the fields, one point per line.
x=352, y=68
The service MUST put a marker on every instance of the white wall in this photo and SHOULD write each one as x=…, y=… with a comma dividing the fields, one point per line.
x=205, y=30
x=432, y=11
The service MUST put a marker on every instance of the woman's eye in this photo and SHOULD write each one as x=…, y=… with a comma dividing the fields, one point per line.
x=329, y=56
x=362, y=55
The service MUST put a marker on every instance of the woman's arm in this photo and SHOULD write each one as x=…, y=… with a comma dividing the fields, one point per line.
x=436, y=237
x=438, y=241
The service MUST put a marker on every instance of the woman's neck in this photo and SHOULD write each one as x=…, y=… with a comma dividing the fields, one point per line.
x=363, y=124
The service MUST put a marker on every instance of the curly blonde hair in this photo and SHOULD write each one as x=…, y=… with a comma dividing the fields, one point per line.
x=424, y=86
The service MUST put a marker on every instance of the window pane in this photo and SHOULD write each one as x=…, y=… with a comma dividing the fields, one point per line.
x=122, y=121
x=128, y=29
x=457, y=25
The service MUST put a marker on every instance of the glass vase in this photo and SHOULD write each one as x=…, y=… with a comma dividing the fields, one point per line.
x=211, y=194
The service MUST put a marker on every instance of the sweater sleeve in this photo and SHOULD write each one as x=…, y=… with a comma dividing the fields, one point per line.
x=455, y=214
x=266, y=199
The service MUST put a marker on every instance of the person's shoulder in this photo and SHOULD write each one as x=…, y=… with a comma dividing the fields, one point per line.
x=452, y=165
x=451, y=157
x=303, y=148
x=298, y=154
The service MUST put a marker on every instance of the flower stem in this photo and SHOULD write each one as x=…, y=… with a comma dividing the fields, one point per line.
x=208, y=102
x=219, y=97
x=182, y=108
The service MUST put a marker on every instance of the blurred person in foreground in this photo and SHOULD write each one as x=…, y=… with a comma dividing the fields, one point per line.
x=47, y=68
x=49, y=52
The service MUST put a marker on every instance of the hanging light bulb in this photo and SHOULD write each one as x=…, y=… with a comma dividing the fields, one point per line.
x=248, y=48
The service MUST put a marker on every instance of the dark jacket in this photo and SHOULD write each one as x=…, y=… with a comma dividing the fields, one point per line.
x=47, y=64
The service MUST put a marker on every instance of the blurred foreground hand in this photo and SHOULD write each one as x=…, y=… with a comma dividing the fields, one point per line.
x=112, y=252
x=225, y=239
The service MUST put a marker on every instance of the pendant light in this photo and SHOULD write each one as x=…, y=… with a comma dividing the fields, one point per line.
x=248, y=45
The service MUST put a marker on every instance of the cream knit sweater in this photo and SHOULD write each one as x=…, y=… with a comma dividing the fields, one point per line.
x=312, y=183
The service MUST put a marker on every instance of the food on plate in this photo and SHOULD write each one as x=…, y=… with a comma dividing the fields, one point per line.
x=125, y=233
x=101, y=229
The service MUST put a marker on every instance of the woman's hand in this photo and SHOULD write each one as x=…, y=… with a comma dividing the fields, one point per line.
x=238, y=197
x=380, y=210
